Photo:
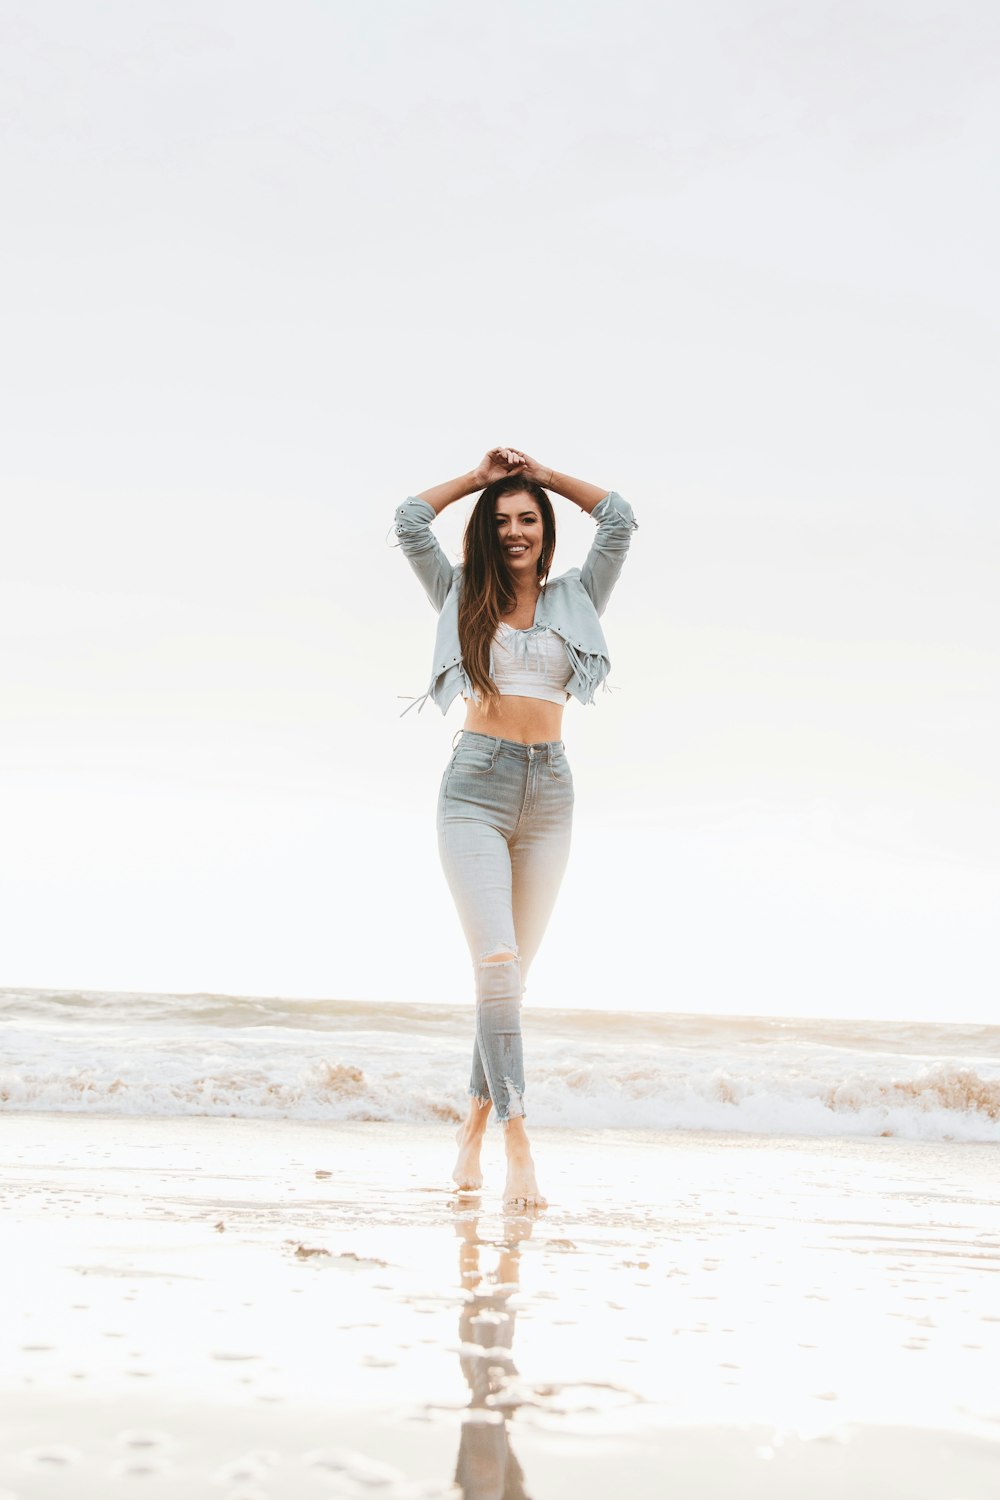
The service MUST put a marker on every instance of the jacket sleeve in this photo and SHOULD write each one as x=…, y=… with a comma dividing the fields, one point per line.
x=615, y=525
x=423, y=550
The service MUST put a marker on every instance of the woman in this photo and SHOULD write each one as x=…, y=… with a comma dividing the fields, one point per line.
x=517, y=644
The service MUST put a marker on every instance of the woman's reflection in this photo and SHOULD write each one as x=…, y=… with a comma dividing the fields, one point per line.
x=487, y=1468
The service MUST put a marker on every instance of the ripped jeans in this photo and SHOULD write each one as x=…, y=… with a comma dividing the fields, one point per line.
x=505, y=814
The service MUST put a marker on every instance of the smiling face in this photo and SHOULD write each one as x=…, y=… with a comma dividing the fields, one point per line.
x=519, y=532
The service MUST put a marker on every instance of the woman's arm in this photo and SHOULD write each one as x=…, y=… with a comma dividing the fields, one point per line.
x=609, y=549
x=422, y=550
x=493, y=465
x=413, y=521
x=440, y=495
x=585, y=495
x=615, y=525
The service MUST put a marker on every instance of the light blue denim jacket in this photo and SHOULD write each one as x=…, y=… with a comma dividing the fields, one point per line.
x=570, y=604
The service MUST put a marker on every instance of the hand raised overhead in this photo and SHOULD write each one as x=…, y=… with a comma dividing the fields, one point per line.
x=497, y=463
x=531, y=468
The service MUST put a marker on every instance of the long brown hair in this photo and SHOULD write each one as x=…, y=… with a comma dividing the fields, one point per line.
x=487, y=590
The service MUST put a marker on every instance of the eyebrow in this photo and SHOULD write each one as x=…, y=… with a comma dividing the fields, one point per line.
x=531, y=514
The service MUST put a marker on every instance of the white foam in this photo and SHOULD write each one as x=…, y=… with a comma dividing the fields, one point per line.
x=213, y=1055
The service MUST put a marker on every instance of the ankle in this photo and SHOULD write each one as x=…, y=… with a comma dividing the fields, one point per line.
x=475, y=1125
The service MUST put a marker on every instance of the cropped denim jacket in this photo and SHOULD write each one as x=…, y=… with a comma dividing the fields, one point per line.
x=570, y=604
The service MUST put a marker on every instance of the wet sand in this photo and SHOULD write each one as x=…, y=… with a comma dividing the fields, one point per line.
x=200, y=1310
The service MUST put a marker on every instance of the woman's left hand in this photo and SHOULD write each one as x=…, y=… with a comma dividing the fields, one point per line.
x=532, y=469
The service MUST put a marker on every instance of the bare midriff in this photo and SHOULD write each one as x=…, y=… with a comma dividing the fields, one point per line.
x=529, y=721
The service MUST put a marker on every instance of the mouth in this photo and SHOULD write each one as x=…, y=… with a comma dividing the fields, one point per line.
x=516, y=550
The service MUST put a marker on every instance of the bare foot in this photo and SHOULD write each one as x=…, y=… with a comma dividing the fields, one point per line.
x=466, y=1171
x=521, y=1189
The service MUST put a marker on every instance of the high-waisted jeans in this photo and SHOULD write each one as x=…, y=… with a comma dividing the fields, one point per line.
x=505, y=814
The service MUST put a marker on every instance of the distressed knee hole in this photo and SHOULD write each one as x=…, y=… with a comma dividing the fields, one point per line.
x=501, y=956
x=498, y=976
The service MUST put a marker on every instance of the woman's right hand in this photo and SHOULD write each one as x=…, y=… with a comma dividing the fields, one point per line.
x=496, y=464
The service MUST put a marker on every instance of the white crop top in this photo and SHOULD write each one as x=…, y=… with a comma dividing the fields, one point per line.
x=530, y=663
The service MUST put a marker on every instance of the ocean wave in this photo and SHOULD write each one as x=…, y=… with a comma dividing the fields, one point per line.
x=138, y=1054
x=945, y=1101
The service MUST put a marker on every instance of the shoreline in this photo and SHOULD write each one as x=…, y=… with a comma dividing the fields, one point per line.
x=808, y=1312
x=444, y=1125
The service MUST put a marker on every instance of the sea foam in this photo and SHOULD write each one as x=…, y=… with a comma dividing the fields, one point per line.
x=341, y=1060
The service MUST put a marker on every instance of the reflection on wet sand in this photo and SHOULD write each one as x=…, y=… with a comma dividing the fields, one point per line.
x=704, y=1316
x=487, y=1468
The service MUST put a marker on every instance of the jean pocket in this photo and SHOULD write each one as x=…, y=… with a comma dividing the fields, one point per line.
x=477, y=760
x=559, y=767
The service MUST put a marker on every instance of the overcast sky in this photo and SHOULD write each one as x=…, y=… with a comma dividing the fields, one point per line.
x=267, y=269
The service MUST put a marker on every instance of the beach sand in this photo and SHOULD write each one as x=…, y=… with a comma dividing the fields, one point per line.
x=199, y=1310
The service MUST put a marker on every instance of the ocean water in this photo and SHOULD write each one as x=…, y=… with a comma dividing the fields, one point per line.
x=141, y=1054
